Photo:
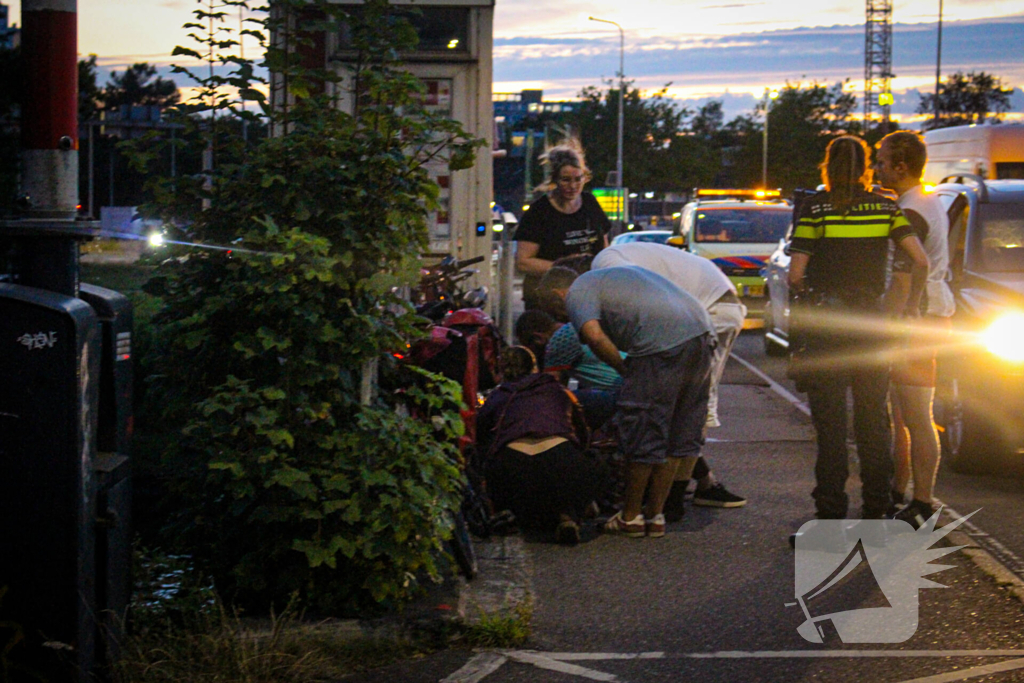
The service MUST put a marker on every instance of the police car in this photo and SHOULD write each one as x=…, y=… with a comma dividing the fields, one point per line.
x=737, y=230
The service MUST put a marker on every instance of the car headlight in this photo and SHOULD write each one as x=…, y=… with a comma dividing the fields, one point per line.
x=1005, y=337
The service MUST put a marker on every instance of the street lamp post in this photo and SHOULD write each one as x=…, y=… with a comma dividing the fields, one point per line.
x=618, y=158
x=770, y=95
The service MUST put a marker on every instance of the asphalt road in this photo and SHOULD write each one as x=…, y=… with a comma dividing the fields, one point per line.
x=709, y=601
x=998, y=500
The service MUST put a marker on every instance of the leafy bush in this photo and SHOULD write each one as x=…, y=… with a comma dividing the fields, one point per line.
x=284, y=477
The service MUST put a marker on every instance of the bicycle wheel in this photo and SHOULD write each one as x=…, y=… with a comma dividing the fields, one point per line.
x=461, y=547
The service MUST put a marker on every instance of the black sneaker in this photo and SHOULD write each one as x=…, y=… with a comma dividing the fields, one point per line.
x=916, y=513
x=568, y=532
x=718, y=497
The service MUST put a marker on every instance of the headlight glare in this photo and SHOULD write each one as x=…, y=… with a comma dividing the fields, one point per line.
x=1005, y=337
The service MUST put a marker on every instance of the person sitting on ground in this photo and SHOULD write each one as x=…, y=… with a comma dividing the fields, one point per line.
x=532, y=434
x=596, y=382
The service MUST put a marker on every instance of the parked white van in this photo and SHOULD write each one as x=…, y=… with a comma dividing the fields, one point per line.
x=994, y=152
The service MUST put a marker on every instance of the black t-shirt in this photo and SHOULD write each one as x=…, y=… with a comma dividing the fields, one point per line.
x=562, y=234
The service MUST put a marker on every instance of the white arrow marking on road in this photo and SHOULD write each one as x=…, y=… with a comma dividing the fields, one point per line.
x=1011, y=665
x=477, y=668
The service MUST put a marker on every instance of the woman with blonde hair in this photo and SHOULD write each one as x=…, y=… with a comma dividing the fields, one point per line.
x=839, y=253
x=563, y=222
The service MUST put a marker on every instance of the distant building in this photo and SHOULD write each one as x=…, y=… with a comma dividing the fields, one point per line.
x=10, y=37
x=523, y=124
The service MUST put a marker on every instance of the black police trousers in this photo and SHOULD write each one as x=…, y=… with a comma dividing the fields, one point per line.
x=873, y=434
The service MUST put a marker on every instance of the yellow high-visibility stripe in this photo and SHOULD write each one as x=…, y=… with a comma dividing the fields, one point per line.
x=806, y=231
x=860, y=230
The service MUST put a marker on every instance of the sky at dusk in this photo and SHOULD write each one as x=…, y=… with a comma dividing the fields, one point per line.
x=721, y=49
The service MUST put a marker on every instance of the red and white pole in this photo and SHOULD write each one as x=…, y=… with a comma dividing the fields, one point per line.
x=49, y=128
x=47, y=257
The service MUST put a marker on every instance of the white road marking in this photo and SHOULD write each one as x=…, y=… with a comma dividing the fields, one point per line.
x=541, y=661
x=773, y=385
x=973, y=672
x=477, y=668
x=485, y=663
x=840, y=654
x=580, y=656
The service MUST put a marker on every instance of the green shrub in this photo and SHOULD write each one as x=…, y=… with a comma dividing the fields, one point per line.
x=282, y=477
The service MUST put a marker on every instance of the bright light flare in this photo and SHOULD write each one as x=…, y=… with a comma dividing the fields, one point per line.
x=1004, y=337
x=156, y=240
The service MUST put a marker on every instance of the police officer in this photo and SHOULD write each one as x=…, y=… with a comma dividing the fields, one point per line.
x=839, y=258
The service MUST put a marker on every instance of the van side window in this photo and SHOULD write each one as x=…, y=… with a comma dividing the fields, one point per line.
x=1010, y=170
x=958, y=213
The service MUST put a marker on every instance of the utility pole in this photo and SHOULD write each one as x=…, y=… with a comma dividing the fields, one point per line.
x=622, y=89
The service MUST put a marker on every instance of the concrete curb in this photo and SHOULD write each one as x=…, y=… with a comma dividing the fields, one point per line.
x=987, y=563
x=503, y=582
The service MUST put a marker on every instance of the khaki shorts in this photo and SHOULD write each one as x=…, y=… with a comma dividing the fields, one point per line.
x=664, y=402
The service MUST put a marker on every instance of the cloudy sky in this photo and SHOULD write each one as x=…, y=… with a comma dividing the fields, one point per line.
x=725, y=49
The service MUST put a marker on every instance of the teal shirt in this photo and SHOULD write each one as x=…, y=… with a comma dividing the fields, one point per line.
x=565, y=350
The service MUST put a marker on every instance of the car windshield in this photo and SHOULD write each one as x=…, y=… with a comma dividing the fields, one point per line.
x=652, y=237
x=742, y=225
x=1002, y=237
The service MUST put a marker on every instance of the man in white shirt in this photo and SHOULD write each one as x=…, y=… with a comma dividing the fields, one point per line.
x=899, y=163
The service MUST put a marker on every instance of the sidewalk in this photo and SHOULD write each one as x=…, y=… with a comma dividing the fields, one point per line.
x=709, y=601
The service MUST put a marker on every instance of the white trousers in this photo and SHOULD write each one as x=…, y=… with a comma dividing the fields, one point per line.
x=727, y=319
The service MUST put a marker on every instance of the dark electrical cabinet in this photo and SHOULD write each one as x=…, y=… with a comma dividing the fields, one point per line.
x=65, y=489
x=111, y=466
x=50, y=374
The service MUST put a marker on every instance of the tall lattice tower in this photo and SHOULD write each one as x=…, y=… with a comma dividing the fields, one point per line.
x=877, y=59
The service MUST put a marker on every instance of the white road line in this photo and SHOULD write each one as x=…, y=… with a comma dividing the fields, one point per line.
x=775, y=386
x=1011, y=665
x=477, y=668
x=583, y=656
x=841, y=654
x=541, y=661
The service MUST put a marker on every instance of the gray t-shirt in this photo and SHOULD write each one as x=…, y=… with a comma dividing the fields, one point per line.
x=640, y=311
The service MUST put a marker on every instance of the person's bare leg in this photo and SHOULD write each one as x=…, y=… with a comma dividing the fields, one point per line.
x=638, y=474
x=662, y=477
x=924, y=438
x=901, y=449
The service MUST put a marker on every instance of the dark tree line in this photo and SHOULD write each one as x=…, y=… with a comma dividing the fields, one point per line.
x=669, y=148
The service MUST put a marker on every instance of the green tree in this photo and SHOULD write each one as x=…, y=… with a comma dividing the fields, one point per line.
x=283, y=478
x=89, y=92
x=802, y=121
x=652, y=125
x=136, y=86
x=975, y=97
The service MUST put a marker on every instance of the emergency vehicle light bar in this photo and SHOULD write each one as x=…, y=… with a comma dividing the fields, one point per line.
x=759, y=194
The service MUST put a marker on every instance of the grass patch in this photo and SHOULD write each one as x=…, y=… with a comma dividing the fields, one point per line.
x=126, y=278
x=225, y=648
x=509, y=627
